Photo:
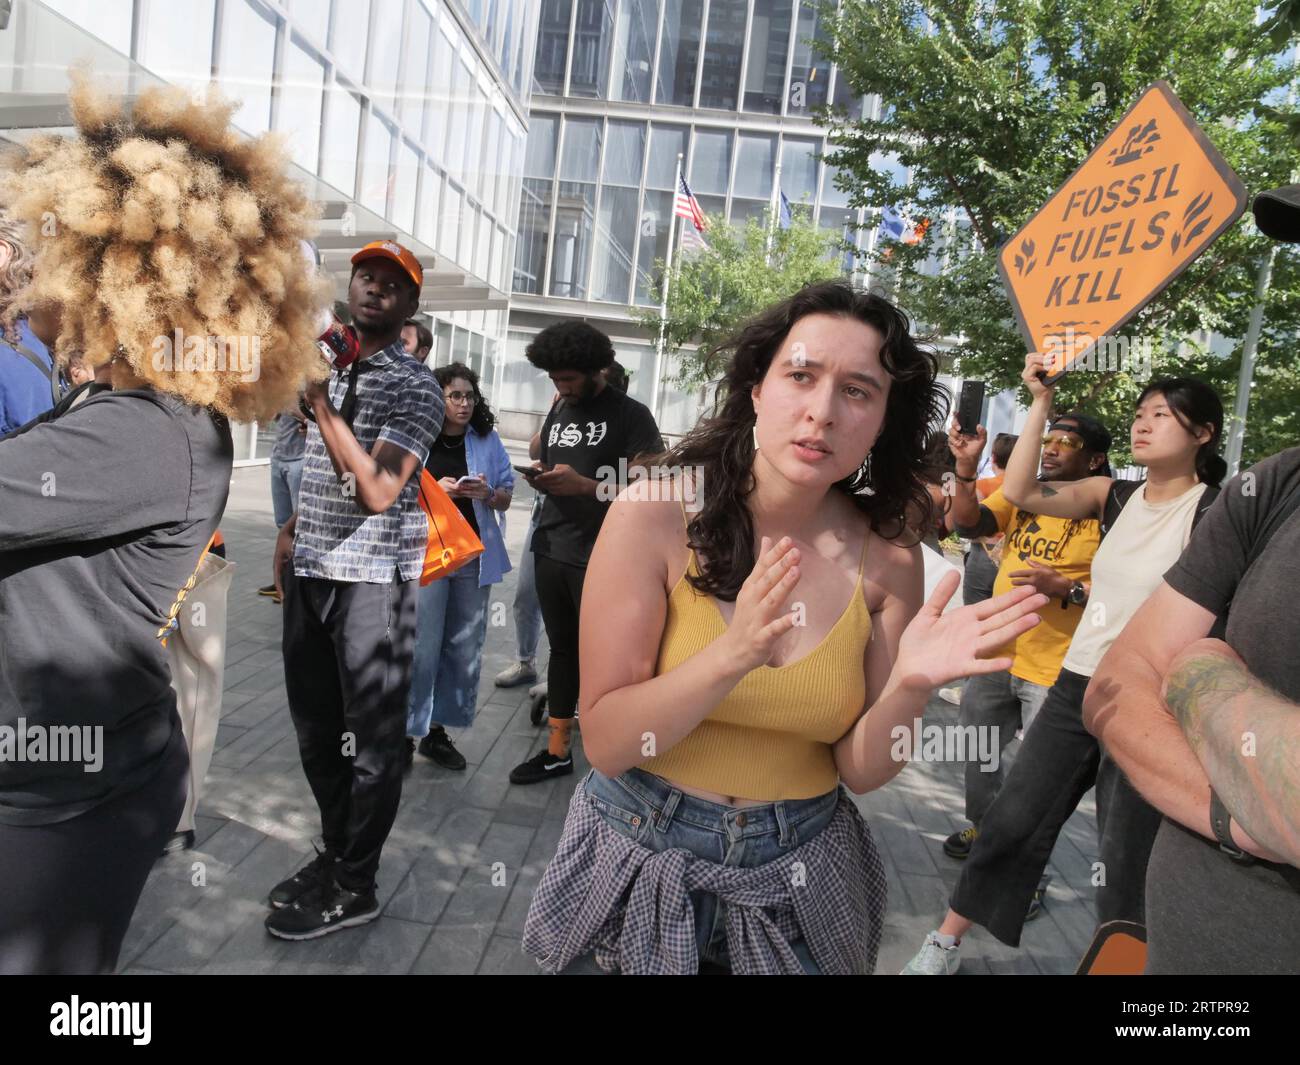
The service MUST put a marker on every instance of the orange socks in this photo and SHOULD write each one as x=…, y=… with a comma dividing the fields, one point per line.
x=561, y=736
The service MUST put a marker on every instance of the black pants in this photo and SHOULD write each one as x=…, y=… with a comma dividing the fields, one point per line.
x=348, y=650
x=1057, y=764
x=559, y=591
x=70, y=888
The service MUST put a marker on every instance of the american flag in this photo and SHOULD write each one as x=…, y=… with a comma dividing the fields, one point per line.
x=687, y=206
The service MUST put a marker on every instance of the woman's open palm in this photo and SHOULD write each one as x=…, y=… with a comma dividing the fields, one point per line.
x=937, y=648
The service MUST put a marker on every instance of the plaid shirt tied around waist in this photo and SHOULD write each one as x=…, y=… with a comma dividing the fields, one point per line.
x=604, y=892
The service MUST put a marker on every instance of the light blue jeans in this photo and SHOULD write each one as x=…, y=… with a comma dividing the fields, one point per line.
x=649, y=810
x=451, y=627
x=527, y=610
x=286, y=479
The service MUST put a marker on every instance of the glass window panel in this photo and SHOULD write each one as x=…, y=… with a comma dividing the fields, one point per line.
x=755, y=162
x=442, y=332
x=634, y=50
x=845, y=99
x=523, y=386
x=769, y=46
x=656, y=215
x=743, y=210
x=552, y=46
x=581, y=149
x=454, y=151
x=375, y=172
x=248, y=61
x=624, y=150
x=342, y=122
x=799, y=170
x=679, y=52
x=439, y=96
x=430, y=198
x=539, y=161
x=831, y=196
x=302, y=93
x=408, y=169
x=666, y=142
x=449, y=230
x=494, y=271
x=385, y=52
x=572, y=246
x=460, y=345
x=474, y=148
x=711, y=161
x=723, y=43
x=639, y=362
x=176, y=42
x=482, y=244
x=592, y=36
x=348, y=40
x=475, y=362
x=533, y=235
x=415, y=81
x=615, y=241
x=109, y=20
x=492, y=158
x=311, y=16
x=468, y=234
x=809, y=72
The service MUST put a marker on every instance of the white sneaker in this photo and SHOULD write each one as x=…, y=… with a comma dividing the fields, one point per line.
x=520, y=673
x=934, y=959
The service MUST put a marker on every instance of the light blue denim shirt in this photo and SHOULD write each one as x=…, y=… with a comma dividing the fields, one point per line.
x=487, y=455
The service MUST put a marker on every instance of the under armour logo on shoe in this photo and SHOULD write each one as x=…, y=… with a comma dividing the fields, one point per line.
x=327, y=914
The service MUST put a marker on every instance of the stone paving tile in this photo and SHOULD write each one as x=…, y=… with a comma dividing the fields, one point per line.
x=442, y=910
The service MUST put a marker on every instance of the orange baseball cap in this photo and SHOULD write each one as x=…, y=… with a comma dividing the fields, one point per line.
x=388, y=249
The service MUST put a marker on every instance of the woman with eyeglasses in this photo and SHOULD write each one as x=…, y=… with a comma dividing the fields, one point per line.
x=1177, y=427
x=470, y=462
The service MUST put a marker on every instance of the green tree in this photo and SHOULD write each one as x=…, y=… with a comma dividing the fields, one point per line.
x=713, y=290
x=991, y=106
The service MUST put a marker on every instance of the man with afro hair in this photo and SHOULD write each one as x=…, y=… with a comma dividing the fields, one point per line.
x=587, y=432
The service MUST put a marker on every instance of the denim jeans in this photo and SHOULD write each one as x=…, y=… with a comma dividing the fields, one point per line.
x=660, y=817
x=448, y=651
x=978, y=575
x=1004, y=702
x=286, y=479
x=527, y=610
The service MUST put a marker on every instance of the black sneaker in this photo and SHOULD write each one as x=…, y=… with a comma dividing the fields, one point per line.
x=958, y=845
x=438, y=746
x=323, y=909
x=309, y=876
x=180, y=841
x=542, y=766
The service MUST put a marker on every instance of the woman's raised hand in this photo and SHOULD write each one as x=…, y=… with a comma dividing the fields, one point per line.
x=937, y=648
x=760, y=619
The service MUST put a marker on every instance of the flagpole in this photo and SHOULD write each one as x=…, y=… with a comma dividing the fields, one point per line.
x=663, y=303
x=774, y=209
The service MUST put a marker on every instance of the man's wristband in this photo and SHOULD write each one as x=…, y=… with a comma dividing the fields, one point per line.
x=1221, y=823
x=965, y=480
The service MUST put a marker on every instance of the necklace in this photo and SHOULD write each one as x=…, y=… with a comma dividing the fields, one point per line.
x=452, y=447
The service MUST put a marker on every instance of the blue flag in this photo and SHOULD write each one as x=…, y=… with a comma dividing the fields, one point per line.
x=785, y=218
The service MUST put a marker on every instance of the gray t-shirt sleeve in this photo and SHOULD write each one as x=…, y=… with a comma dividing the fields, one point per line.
x=116, y=464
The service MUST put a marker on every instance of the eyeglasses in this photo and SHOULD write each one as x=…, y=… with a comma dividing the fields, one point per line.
x=461, y=397
x=1066, y=442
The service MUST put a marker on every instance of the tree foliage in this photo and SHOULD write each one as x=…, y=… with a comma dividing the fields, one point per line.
x=713, y=290
x=991, y=106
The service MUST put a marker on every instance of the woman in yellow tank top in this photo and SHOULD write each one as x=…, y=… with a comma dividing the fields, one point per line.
x=752, y=635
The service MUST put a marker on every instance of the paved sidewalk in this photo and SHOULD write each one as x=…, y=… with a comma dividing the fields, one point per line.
x=468, y=849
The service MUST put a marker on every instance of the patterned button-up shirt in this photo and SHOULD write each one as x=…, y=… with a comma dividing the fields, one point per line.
x=398, y=401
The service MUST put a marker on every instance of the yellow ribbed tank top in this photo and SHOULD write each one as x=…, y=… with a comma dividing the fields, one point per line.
x=771, y=737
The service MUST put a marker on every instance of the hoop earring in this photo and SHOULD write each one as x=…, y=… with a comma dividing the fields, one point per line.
x=864, y=473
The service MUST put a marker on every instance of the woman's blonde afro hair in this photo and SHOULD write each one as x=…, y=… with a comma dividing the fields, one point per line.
x=165, y=220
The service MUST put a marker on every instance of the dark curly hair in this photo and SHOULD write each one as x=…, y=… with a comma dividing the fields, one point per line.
x=570, y=346
x=482, y=420
x=723, y=530
x=1196, y=406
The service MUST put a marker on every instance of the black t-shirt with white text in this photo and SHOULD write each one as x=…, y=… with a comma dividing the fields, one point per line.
x=1205, y=912
x=591, y=437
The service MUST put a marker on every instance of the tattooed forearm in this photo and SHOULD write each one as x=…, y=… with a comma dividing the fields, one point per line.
x=1047, y=491
x=1247, y=738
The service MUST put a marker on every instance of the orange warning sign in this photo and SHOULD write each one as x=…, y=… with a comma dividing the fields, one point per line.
x=1151, y=197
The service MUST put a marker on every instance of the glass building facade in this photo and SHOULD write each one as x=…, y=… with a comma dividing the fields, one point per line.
x=619, y=88
x=407, y=118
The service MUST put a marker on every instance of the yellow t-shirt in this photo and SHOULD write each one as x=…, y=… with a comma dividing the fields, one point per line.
x=1065, y=545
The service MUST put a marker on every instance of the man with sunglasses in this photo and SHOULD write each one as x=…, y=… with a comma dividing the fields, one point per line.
x=348, y=563
x=1052, y=554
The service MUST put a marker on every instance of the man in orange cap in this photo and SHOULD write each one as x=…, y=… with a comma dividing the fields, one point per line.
x=349, y=565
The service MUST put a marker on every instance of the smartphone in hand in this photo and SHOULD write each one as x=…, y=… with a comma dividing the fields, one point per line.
x=530, y=471
x=969, y=407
